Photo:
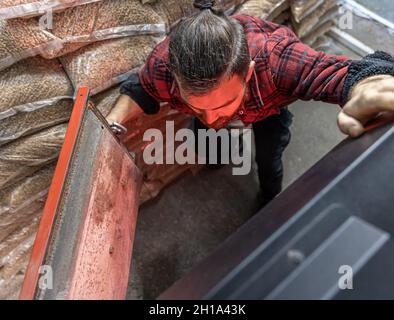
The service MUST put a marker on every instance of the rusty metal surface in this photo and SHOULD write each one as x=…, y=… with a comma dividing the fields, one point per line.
x=87, y=230
x=207, y=274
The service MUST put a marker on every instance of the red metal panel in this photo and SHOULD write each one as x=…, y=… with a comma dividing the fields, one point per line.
x=87, y=228
x=104, y=254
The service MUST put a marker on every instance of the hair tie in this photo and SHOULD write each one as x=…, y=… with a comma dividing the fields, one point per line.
x=207, y=5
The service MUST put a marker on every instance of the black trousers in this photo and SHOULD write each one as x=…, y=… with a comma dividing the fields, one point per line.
x=272, y=135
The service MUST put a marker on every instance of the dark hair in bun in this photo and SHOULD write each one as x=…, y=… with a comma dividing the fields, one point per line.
x=206, y=46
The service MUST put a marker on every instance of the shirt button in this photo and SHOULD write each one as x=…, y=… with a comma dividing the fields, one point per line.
x=241, y=112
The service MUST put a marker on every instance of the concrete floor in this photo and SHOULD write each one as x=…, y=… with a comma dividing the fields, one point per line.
x=384, y=8
x=372, y=33
x=197, y=213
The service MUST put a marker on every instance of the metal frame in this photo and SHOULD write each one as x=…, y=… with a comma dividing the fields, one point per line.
x=87, y=228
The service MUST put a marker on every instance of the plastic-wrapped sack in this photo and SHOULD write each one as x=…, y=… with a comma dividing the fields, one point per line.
x=174, y=10
x=308, y=23
x=279, y=8
x=283, y=17
x=230, y=6
x=101, y=65
x=319, y=30
x=106, y=100
x=265, y=9
x=20, y=201
x=25, y=156
x=24, y=85
x=11, y=9
x=35, y=94
x=23, y=38
x=327, y=44
x=24, y=123
x=21, y=207
x=108, y=19
x=14, y=258
x=301, y=8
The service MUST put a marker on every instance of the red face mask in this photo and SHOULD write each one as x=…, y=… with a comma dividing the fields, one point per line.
x=219, y=106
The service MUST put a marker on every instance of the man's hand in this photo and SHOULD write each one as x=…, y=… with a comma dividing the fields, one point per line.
x=371, y=97
x=124, y=110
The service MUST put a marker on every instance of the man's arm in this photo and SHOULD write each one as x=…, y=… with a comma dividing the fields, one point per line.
x=363, y=88
x=300, y=72
x=124, y=110
x=144, y=91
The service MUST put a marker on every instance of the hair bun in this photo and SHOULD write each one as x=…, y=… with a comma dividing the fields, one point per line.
x=204, y=4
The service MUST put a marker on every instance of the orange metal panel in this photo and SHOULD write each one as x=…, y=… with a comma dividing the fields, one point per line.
x=87, y=228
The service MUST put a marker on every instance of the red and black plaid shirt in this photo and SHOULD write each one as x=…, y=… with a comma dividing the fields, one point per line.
x=285, y=70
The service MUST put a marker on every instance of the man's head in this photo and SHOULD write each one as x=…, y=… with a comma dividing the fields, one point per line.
x=210, y=59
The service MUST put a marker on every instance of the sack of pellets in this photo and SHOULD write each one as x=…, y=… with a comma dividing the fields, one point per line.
x=107, y=19
x=106, y=100
x=318, y=31
x=53, y=112
x=316, y=17
x=173, y=10
x=19, y=201
x=21, y=206
x=302, y=8
x=265, y=9
x=14, y=258
x=282, y=18
x=230, y=6
x=27, y=155
x=102, y=65
x=23, y=38
x=11, y=9
x=35, y=94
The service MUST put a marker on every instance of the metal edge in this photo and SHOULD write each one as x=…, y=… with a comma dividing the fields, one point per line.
x=30, y=282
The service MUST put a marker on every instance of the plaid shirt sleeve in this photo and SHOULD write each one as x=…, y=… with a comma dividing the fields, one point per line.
x=155, y=77
x=300, y=72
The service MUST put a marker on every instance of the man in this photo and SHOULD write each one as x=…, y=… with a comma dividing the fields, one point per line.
x=221, y=69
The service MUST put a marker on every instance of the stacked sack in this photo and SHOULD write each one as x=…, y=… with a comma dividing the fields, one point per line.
x=277, y=11
x=309, y=19
x=94, y=43
x=313, y=18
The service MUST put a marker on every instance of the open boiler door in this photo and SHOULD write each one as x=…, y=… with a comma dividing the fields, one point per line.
x=84, y=242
